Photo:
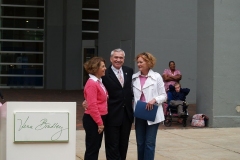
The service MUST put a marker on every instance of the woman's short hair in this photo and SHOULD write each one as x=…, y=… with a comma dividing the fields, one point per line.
x=92, y=65
x=148, y=57
x=170, y=63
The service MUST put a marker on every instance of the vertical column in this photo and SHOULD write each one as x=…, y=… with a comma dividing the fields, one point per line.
x=205, y=58
x=218, y=62
x=63, y=44
x=54, y=44
x=73, y=43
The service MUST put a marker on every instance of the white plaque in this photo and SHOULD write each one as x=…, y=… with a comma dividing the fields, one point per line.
x=41, y=127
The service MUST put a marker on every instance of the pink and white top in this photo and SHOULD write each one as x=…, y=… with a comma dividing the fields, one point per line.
x=96, y=96
x=142, y=81
x=169, y=72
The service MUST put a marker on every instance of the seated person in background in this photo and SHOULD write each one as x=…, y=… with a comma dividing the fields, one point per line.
x=171, y=75
x=177, y=97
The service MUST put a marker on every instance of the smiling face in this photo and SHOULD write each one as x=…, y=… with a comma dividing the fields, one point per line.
x=117, y=59
x=172, y=66
x=101, y=70
x=142, y=66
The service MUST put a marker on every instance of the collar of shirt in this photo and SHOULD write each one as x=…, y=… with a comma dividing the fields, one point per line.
x=100, y=80
x=116, y=70
x=145, y=76
x=94, y=78
x=151, y=74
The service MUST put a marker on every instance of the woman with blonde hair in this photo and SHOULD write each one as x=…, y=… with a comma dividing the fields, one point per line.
x=148, y=86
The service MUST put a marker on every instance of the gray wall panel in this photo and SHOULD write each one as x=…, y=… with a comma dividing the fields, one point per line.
x=63, y=44
x=117, y=24
x=226, y=63
x=73, y=61
x=168, y=29
x=54, y=44
x=205, y=58
x=218, y=51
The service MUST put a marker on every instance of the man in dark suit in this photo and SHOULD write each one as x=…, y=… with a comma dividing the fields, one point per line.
x=120, y=112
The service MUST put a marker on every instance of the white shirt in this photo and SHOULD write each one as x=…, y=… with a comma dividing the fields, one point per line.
x=116, y=71
x=94, y=78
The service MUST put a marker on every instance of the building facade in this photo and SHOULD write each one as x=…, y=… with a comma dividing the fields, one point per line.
x=22, y=43
x=45, y=43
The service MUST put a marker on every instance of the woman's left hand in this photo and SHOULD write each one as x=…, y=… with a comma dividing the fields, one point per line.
x=100, y=129
x=150, y=104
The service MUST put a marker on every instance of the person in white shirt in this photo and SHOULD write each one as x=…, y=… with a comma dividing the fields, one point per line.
x=148, y=86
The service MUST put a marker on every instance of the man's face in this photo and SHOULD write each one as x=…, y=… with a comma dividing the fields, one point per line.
x=117, y=59
x=177, y=88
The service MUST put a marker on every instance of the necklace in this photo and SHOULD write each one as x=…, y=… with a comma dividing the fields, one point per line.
x=144, y=75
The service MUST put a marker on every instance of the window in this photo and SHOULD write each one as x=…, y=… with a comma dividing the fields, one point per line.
x=22, y=43
x=90, y=19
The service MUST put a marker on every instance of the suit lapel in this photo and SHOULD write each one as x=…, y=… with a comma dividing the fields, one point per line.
x=148, y=83
x=125, y=74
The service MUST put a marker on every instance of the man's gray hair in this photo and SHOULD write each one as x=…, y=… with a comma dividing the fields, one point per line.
x=118, y=50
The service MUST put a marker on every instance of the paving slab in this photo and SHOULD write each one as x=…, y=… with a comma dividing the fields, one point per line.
x=178, y=144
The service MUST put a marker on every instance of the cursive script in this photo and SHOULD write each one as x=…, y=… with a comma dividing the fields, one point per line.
x=44, y=124
x=24, y=125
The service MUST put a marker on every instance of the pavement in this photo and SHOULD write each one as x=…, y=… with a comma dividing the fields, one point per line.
x=183, y=144
x=173, y=143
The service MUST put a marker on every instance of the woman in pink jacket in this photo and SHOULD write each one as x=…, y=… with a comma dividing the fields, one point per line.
x=96, y=95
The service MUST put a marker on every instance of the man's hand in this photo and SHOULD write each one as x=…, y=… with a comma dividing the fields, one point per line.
x=84, y=104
